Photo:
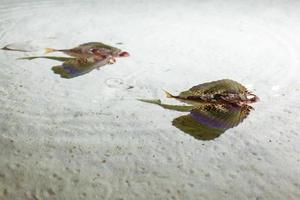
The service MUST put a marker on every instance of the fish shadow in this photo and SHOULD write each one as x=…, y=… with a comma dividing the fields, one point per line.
x=72, y=67
x=206, y=122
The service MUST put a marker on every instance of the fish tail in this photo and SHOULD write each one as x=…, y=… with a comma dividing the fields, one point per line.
x=49, y=50
x=169, y=95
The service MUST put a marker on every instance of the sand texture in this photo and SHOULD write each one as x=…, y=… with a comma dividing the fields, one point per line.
x=89, y=138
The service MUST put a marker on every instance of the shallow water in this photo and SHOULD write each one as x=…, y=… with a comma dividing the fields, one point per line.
x=89, y=138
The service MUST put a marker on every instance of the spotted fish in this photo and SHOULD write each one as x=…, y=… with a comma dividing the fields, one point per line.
x=213, y=108
x=224, y=91
x=97, y=50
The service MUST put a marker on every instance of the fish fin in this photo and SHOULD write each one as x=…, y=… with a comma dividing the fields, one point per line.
x=180, y=108
x=168, y=95
x=63, y=59
x=153, y=101
x=49, y=50
x=61, y=71
x=226, y=85
x=111, y=61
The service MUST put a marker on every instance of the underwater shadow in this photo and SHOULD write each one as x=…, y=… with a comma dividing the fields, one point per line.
x=72, y=67
x=206, y=122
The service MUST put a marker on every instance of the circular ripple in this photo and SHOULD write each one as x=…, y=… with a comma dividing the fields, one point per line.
x=114, y=82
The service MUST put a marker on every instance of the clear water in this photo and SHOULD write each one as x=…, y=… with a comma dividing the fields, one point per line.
x=89, y=138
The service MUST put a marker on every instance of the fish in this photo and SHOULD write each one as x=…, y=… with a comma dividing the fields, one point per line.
x=223, y=91
x=84, y=58
x=97, y=50
x=213, y=108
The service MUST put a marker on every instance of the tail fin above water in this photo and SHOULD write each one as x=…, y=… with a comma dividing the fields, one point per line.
x=49, y=50
x=168, y=95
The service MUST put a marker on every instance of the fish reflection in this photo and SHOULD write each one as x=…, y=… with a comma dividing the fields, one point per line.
x=73, y=67
x=85, y=58
x=214, y=108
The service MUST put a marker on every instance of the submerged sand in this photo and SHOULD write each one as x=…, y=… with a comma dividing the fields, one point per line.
x=89, y=138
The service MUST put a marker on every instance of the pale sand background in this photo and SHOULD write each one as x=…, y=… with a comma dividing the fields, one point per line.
x=88, y=138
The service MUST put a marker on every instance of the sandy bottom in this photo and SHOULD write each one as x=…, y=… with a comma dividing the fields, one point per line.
x=89, y=138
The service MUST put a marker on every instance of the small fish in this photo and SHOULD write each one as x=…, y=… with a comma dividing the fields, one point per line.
x=97, y=50
x=85, y=58
x=217, y=92
x=213, y=108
